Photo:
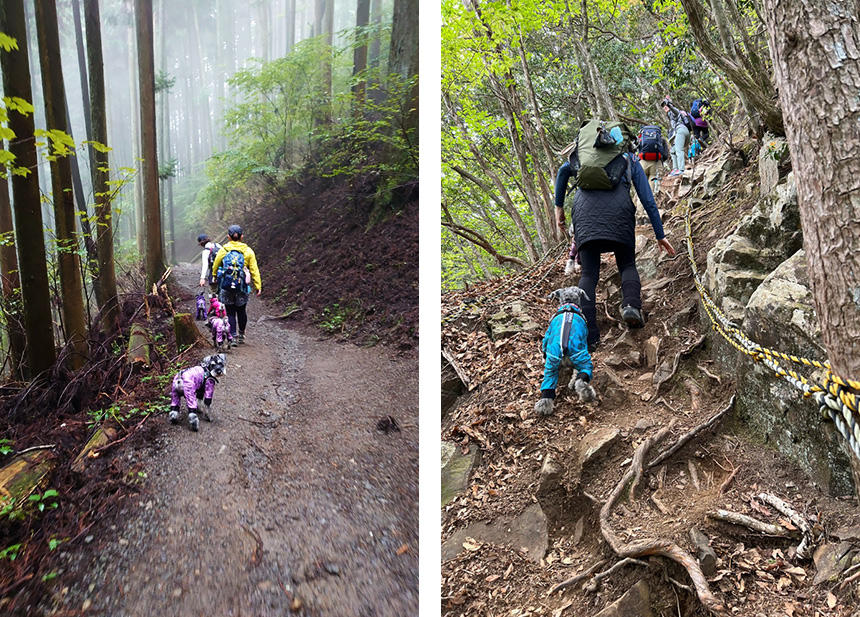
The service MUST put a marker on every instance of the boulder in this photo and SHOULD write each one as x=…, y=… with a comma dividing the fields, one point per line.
x=510, y=320
x=780, y=315
x=636, y=602
x=456, y=469
x=526, y=532
x=452, y=386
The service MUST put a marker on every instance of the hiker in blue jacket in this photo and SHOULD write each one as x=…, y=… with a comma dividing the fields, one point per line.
x=570, y=317
x=604, y=222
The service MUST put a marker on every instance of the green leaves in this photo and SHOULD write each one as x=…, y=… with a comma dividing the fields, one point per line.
x=7, y=42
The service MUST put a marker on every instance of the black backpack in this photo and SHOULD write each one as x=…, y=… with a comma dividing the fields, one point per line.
x=650, y=142
x=212, y=253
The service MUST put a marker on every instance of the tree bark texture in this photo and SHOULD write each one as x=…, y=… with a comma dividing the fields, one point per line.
x=33, y=270
x=101, y=176
x=816, y=56
x=403, y=55
x=146, y=74
x=10, y=285
x=359, y=55
x=54, y=93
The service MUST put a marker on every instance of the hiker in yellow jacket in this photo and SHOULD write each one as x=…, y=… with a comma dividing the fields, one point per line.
x=235, y=267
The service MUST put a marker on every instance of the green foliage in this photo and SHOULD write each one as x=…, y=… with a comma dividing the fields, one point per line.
x=167, y=169
x=281, y=126
x=11, y=552
x=6, y=447
x=164, y=82
x=337, y=317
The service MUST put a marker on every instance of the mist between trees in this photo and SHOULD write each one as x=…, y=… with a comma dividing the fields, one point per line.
x=153, y=120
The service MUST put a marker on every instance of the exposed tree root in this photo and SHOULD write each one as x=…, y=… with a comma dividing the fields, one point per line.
x=804, y=549
x=592, y=584
x=659, y=546
x=736, y=518
x=683, y=439
x=575, y=579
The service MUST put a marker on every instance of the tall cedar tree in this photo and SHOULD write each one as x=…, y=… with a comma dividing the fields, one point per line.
x=33, y=268
x=100, y=173
x=403, y=54
x=359, y=55
x=146, y=76
x=11, y=285
x=54, y=92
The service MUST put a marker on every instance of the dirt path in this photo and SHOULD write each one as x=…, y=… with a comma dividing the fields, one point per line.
x=291, y=490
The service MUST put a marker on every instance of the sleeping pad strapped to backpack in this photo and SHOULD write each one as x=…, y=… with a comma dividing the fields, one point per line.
x=597, y=161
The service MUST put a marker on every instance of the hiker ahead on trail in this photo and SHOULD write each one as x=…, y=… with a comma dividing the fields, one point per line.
x=235, y=267
x=679, y=133
x=604, y=216
x=698, y=112
x=210, y=249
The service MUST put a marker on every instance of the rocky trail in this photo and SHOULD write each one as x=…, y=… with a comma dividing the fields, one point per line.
x=291, y=501
x=537, y=513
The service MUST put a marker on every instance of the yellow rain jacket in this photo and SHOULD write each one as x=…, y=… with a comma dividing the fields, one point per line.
x=250, y=261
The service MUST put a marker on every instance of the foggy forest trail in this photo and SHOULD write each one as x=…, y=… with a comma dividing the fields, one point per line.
x=291, y=491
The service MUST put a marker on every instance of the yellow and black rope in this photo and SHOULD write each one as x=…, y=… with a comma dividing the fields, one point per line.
x=835, y=395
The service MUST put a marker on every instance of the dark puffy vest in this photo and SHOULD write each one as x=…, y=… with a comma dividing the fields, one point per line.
x=605, y=215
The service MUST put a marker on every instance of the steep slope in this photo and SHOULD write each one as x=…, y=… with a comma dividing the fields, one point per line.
x=522, y=495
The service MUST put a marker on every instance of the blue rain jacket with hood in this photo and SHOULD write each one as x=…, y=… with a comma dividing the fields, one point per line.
x=565, y=337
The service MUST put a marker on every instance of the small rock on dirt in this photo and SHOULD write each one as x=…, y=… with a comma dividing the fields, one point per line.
x=596, y=442
x=550, y=475
x=526, y=531
x=830, y=560
x=636, y=602
x=705, y=554
x=643, y=424
x=456, y=469
x=651, y=347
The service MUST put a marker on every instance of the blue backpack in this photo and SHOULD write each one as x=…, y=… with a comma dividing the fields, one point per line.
x=232, y=271
x=695, y=109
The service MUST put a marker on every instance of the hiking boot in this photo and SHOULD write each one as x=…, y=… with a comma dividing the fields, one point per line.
x=241, y=338
x=173, y=416
x=632, y=316
x=233, y=343
x=193, y=422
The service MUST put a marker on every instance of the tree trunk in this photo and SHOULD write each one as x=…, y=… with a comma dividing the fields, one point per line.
x=10, y=284
x=815, y=49
x=54, y=92
x=359, y=56
x=403, y=55
x=146, y=73
x=33, y=270
x=101, y=175
x=82, y=65
x=376, y=20
x=291, y=25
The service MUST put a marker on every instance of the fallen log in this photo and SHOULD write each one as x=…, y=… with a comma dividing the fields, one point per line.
x=103, y=436
x=736, y=518
x=139, y=345
x=24, y=474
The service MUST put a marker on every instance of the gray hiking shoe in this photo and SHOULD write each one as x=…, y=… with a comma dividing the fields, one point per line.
x=174, y=417
x=241, y=338
x=193, y=422
x=632, y=317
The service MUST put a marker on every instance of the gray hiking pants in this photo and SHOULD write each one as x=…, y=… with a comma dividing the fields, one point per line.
x=679, y=147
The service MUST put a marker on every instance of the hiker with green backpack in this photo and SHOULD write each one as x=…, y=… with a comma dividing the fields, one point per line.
x=604, y=169
x=232, y=265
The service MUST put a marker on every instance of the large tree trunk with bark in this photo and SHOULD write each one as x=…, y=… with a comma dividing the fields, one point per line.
x=403, y=55
x=816, y=49
x=54, y=93
x=146, y=72
x=10, y=285
x=33, y=270
x=101, y=176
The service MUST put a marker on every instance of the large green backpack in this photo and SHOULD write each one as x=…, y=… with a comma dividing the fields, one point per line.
x=597, y=161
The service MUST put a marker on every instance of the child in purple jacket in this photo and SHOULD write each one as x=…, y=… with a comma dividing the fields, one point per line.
x=197, y=385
